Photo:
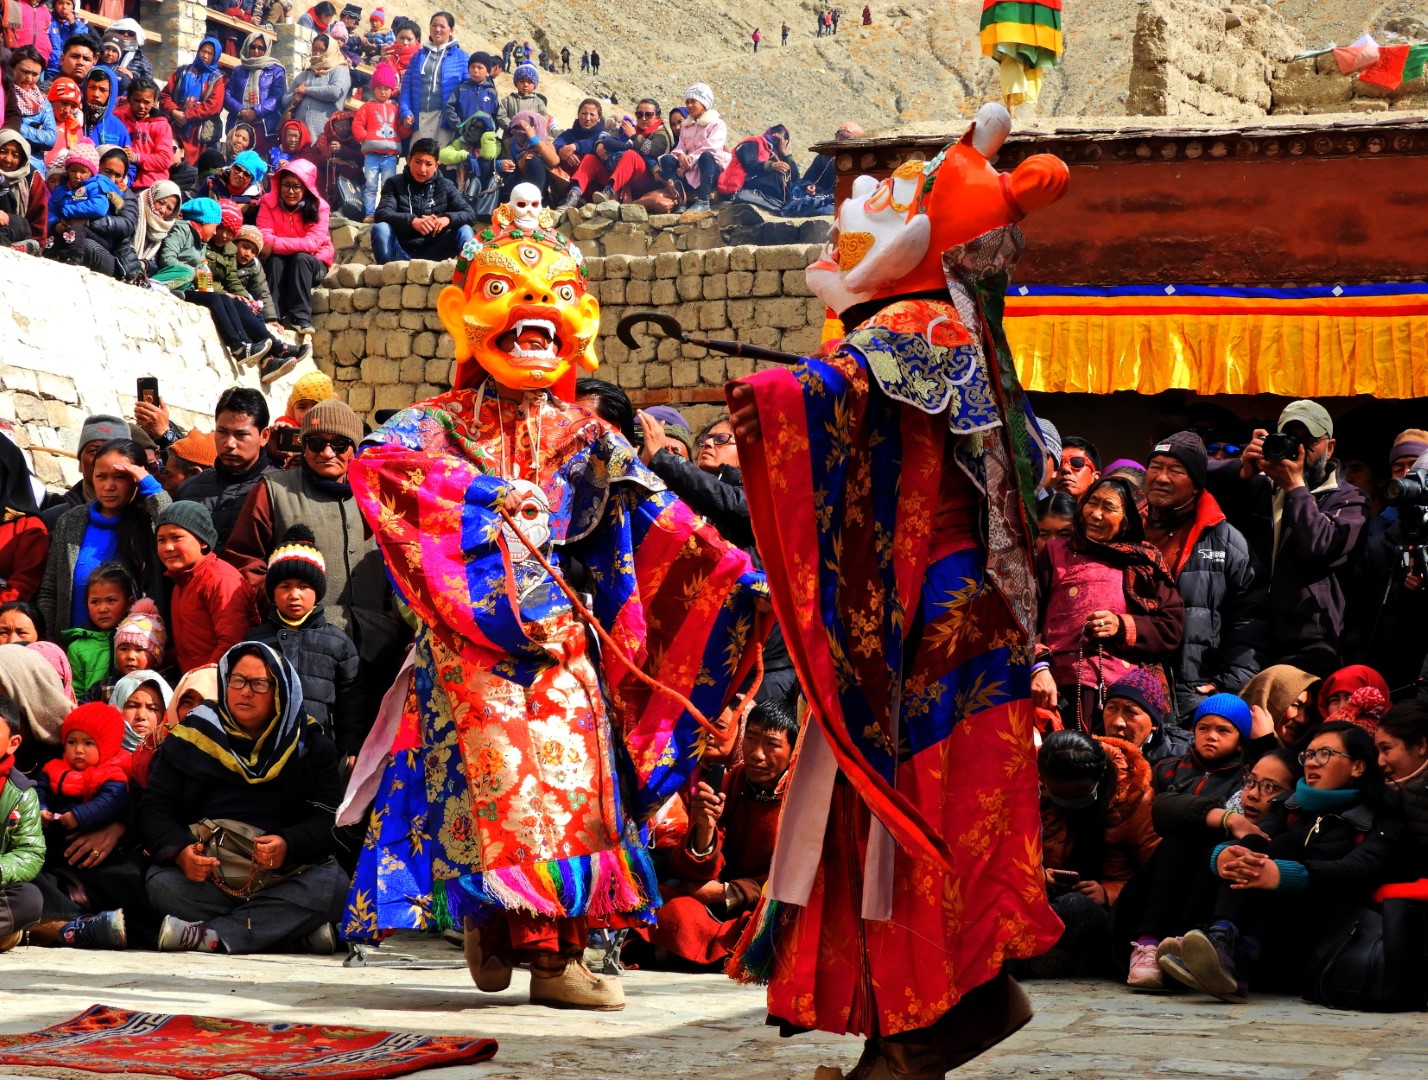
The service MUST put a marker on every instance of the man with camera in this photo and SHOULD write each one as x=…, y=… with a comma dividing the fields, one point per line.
x=1303, y=525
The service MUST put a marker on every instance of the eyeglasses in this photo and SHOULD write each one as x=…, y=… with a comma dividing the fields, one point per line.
x=1320, y=756
x=721, y=439
x=258, y=686
x=291, y=185
x=1223, y=448
x=1268, y=788
x=316, y=444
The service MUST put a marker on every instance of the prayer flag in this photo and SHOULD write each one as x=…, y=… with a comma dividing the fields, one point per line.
x=1397, y=64
x=1362, y=54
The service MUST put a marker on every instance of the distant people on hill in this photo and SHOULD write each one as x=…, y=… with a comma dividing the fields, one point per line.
x=594, y=62
x=757, y=36
x=783, y=34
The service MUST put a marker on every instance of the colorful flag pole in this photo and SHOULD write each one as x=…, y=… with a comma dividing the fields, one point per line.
x=1024, y=37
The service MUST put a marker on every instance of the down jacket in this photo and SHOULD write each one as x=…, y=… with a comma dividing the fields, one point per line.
x=1130, y=837
x=326, y=661
x=285, y=229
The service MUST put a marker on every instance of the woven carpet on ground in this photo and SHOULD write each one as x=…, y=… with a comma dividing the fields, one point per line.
x=104, y=1041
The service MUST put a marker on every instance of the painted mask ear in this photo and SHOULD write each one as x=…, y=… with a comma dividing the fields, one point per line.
x=1038, y=182
x=450, y=306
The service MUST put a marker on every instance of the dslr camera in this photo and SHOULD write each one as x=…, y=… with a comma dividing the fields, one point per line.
x=1409, y=493
x=1280, y=446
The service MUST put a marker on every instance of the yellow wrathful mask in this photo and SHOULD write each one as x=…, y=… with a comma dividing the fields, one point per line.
x=518, y=306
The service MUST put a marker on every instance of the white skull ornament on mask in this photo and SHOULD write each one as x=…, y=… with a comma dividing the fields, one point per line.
x=532, y=518
x=525, y=204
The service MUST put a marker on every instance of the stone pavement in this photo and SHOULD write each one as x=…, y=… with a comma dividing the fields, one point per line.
x=706, y=1027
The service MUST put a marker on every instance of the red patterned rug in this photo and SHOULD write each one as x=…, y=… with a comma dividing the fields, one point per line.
x=106, y=1041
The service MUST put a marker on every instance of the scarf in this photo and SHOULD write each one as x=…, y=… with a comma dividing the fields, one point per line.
x=1141, y=562
x=196, y=78
x=27, y=676
x=211, y=731
x=124, y=689
x=151, y=229
x=31, y=98
x=537, y=125
x=1276, y=688
x=57, y=660
x=320, y=63
x=1314, y=800
x=254, y=65
x=337, y=489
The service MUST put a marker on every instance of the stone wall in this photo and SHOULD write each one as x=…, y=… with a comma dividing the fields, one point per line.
x=378, y=335
x=75, y=344
x=1316, y=85
x=1198, y=59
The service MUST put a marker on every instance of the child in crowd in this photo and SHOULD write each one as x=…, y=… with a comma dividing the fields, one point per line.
x=109, y=57
x=248, y=244
x=69, y=127
x=293, y=136
x=151, y=139
x=109, y=593
x=196, y=687
x=100, y=94
x=212, y=605
x=63, y=26
x=525, y=99
x=380, y=130
x=377, y=38
x=142, y=698
x=139, y=641
x=22, y=842
x=475, y=94
x=405, y=45
x=323, y=655
x=474, y=151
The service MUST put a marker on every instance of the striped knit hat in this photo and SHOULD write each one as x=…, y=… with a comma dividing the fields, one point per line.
x=297, y=557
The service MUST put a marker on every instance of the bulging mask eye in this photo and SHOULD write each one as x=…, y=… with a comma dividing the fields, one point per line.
x=495, y=287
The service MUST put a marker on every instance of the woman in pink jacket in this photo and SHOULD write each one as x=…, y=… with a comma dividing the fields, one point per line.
x=699, y=156
x=297, y=249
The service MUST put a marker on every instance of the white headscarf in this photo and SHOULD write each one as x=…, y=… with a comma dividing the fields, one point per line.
x=151, y=229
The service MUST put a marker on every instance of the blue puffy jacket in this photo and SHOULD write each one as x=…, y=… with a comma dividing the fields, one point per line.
x=466, y=101
x=416, y=82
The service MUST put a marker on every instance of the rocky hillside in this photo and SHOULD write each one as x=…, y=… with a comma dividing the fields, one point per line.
x=919, y=62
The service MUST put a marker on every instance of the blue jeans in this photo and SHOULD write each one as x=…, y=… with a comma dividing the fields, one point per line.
x=377, y=169
x=447, y=245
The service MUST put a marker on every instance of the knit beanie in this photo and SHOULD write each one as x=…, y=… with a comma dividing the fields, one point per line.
x=101, y=722
x=314, y=386
x=101, y=427
x=297, y=557
x=1409, y=444
x=253, y=164
x=142, y=437
x=191, y=517
x=667, y=414
x=1144, y=689
x=252, y=234
x=683, y=436
x=202, y=211
x=196, y=447
x=526, y=71
x=332, y=417
x=1051, y=439
x=378, y=14
x=701, y=93
x=229, y=216
x=144, y=627
x=64, y=89
x=1230, y=708
x=84, y=154
x=1187, y=448
x=385, y=75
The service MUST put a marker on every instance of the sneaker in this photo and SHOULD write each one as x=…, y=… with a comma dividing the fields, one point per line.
x=605, y=195
x=572, y=198
x=175, y=935
x=1145, y=971
x=254, y=351
x=276, y=367
x=322, y=941
x=102, y=931
x=1209, y=956
x=697, y=206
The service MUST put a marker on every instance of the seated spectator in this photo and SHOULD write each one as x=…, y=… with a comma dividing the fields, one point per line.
x=254, y=93
x=323, y=656
x=109, y=592
x=528, y=154
x=238, y=139
x=138, y=645
x=1402, y=743
x=193, y=689
x=20, y=621
x=526, y=78
x=84, y=790
x=69, y=126
x=1135, y=710
x=1275, y=898
x=24, y=540
x=320, y=17
x=1056, y=521
x=212, y=607
x=1287, y=698
x=474, y=94
x=576, y=143
x=1304, y=526
x=320, y=89
x=240, y=437
x=142, y=699
x=293, y=139
x=297, y=246
x=317, y=494
x=1109, y=605
x=252, y=757
x=24, y=196
x=28, y=675
x=762, y=171
x=37, y=115
x=99, y=93
x=158, y=210
x=116, y=526
x=80, y=53
x=474, y=153
x=185, y=458
x=421, y=215
x=1336, y=689
x=337, y=154
x=115, y=230
x=718, y=872
x=379, y=129
x=1096, y=832
x=151, y=139
x=109, y=60
x=84, y=196
x=378, y=38
x=22, y=843
x=132, y=63
x=699, y=154
x=64, y=24
x=814, y=192
x=241, y=182
x=194, y=97
x=248, y=244
x=613, y=171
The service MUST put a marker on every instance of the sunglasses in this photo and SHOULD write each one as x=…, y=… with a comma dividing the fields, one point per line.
x=644, y=115
x=721, y=439
x=1077, y=463
x=1223, y=447
x=316, y=444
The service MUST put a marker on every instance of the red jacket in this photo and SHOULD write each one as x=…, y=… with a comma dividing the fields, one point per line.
x=211, y=610
x=151, y=142
x=24, y=546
